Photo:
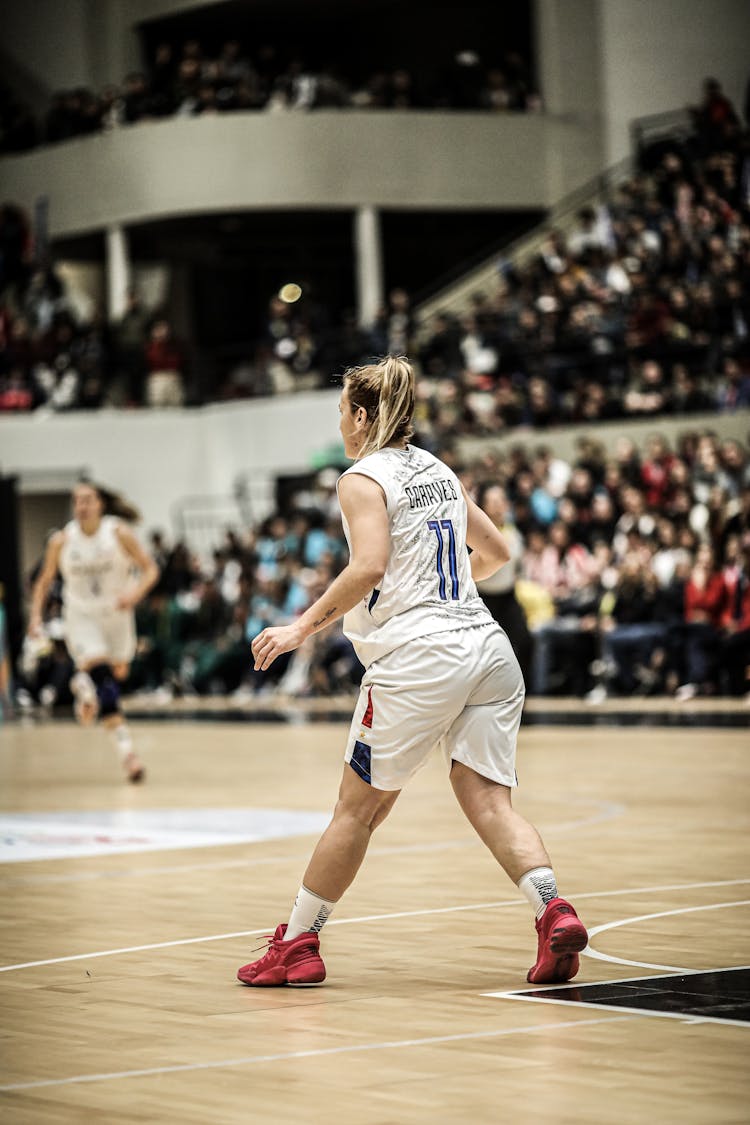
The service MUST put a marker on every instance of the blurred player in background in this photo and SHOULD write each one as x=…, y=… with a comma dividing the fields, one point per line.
x=438, y=671
x=96, y=554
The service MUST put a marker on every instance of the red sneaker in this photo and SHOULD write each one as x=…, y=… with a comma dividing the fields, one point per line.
x=287, y=962
x=561, y=938
x=134, y=769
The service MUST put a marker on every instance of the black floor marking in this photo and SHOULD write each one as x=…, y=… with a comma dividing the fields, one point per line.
x=722, y=994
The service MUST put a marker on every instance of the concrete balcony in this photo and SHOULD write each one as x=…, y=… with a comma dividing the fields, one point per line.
x=323, y=159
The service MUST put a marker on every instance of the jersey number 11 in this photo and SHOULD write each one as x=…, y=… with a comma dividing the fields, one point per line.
x=439, y=526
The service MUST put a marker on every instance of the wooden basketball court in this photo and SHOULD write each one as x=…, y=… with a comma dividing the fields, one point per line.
x=119, y=955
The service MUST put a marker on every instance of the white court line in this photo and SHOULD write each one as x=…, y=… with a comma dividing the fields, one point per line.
x=249, y=1060
x=246, y=863
x=364, y=918
x=650, y=1013
x=607, y=810
x=646, y=918
x=266, y=931
x=570, y=986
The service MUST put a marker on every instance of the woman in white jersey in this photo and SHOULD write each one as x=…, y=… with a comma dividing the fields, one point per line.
x=96, y=555
x=438, y=671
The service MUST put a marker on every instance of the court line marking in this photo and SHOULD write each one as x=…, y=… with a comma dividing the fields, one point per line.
x=571, y=985
x=650, y=1013
x=222, y=864
x=594, y=953
x=364, y=918
x=692, y=1019
x=607, y=810
x=249, y=1060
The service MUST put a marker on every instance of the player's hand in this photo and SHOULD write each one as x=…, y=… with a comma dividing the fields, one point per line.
x=272, y=642
x=35, y=627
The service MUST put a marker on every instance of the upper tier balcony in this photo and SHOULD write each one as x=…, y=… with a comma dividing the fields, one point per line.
x=341, y=159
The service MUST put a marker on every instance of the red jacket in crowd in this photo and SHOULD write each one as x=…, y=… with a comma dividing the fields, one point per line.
x=707, y=602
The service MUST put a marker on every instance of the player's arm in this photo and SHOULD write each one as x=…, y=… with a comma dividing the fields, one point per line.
x=148, y=570
x=363, y=504
x=44, y=580
x=489, y=551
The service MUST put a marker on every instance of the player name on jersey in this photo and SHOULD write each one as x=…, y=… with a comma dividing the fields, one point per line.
x=423, y=495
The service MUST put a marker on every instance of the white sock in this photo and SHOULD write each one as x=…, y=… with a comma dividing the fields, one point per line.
x=309, y=914
x=121, y=737
x=539, y=887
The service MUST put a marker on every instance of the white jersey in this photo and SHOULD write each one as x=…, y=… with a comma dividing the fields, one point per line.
x=94, y=568
x=427, y=586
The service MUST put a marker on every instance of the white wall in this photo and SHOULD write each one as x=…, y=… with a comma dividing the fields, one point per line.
x=568, y=64
x=610, y=61
x=656, y=53
x=158, y=458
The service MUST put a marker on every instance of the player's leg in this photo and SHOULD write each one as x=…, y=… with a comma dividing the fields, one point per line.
x=342, y=847
x=87, y=645
x=107, y=686
x=393, y=731
x=515, y=844
x=121, y=642
x=85, y=695
x=293, y=955
x=518, y=848
x=481, y=748
x=120, y=732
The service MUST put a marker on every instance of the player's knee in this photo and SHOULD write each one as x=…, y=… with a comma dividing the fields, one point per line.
x=107, y=690
x=368, y=814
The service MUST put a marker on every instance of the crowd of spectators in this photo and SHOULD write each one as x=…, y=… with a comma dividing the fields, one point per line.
x=189, y=81
x=634, y=566
x=640, y=309
x=631, y=568
x=59, y=353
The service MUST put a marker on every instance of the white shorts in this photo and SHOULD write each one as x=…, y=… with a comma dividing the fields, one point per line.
x=109, y=637
x=462, y=690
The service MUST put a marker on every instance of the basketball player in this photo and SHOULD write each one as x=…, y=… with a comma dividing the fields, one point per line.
x=96, y=554
x=438, y=670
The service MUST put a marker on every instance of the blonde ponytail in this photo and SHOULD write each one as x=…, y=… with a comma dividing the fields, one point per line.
x=386, y=392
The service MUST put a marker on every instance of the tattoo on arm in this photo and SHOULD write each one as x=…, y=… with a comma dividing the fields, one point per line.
x=325, y=617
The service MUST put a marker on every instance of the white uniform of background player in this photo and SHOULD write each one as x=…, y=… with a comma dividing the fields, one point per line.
x=95, y=570
x=105, y=572
x=415, y=698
